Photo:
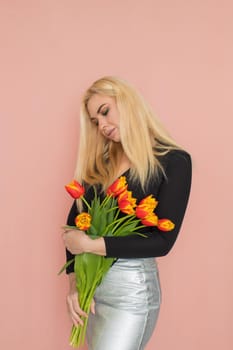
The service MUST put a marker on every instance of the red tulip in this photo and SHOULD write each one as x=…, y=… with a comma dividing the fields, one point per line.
x=165, y=225
x=146, y=207
x=150, y=220
x=117, y=187
x=75, y=189
x=126, y=202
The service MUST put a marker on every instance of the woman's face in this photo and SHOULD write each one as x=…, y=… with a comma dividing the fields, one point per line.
x=104, y=114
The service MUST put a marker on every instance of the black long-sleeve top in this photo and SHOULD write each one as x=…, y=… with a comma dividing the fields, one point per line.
x=172, y=193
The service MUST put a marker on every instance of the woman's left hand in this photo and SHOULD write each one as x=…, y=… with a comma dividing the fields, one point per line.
x=76, y=241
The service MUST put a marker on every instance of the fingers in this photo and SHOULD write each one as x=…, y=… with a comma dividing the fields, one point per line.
x=63, y=235
x=74, y=309
x=93, y=307
x=66, y=240
x=75, y=241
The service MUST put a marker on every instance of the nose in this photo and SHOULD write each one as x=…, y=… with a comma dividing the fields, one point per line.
x=102, y=123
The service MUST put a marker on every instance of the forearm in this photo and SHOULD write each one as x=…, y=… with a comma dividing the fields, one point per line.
x=95, y=246
x=78, y=242
x=135, y=246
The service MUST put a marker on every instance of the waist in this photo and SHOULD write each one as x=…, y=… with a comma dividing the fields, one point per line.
x=142, y=264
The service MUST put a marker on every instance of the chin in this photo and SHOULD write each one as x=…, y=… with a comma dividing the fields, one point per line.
x=116, y=140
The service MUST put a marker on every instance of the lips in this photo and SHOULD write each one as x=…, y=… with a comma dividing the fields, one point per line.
x=109, y=132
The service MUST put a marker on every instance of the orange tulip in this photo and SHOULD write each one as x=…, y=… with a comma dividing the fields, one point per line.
x=150, y=220
x=165, y=225
x=83, y=221
x=146, y=207
x=75, y=189
x=117, y=187
x=126, y=202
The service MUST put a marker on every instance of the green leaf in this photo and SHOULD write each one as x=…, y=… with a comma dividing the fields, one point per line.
x=139, y=234
x=90, y=269
x=110, y=217
x=92, y=231
x=125, y=229
x=65, y=266
x=95, y=213
x=109, y=233
x=70, y=227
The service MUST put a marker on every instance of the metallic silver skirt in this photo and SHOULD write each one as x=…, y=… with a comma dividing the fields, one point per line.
x=127, y=306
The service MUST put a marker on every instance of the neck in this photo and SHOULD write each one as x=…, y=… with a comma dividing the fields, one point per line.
x=124, y=164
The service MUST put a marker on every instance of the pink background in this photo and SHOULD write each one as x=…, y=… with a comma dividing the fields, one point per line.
x=179, y=54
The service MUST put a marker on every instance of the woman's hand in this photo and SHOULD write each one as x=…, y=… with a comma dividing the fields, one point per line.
x=77, y=242
x=73, y=306
x=74, y=309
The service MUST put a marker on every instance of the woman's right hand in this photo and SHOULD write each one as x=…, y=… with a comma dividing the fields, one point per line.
x=72, y=302
x=74, y=309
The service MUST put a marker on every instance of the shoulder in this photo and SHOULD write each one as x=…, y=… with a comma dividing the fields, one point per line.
x=176, y=156
x=177, y=166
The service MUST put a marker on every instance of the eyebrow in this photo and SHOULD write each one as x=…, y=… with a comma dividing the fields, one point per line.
x=100, y=107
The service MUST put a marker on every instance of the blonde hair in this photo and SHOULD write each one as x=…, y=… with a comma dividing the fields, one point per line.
x=142, y=136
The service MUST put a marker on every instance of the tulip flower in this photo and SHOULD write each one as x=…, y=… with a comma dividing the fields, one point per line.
x=146, y=207
x=126, y=202
x=75, y=189
x=150, y=220
x=83, y=221
x=117, y=187
x=165, y=225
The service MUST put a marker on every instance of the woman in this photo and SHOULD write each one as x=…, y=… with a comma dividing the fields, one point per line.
x=120, y=136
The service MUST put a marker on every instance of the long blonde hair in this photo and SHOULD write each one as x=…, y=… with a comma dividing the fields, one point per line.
x=142, y=136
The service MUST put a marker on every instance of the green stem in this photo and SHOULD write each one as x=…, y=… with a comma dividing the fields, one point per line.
x=142, y=226
x=66, y=265
x=117, y=222
x=117, y=213
x=87, y=204
x=128, y=220
x=105, y=201
x=70, y=227
x=108, y=211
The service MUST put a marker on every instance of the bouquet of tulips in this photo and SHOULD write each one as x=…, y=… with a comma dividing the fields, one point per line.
x=103, y=219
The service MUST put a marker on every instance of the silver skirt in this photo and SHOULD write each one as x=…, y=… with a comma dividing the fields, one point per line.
x=127, y=306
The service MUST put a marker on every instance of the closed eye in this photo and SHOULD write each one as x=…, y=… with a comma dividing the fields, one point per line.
x=105, y=112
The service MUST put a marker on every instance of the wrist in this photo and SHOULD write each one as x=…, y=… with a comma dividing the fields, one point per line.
x=72, y=280
x=96, y=246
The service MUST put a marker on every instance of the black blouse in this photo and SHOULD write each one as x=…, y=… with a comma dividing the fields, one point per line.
x=172, y=193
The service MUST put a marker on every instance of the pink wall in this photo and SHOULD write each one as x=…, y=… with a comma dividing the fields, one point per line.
x=179, y=55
